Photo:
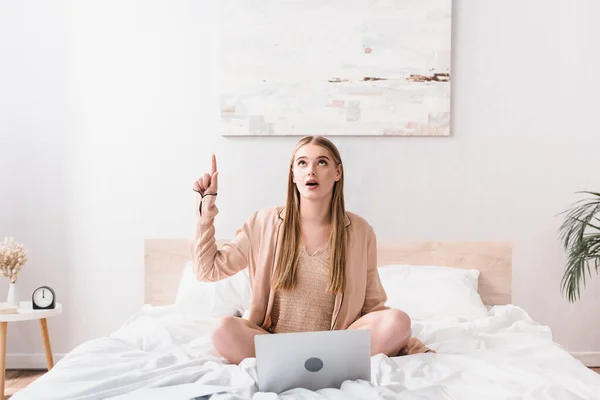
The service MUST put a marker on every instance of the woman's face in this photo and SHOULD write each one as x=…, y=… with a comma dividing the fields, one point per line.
x=315, y=171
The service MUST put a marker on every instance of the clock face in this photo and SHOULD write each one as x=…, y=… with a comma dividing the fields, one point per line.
x=43, y=297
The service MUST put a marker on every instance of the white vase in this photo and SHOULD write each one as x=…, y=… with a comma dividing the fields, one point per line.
x=13, y=296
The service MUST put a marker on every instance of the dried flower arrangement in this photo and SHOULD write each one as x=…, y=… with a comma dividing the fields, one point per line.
x=12, y=258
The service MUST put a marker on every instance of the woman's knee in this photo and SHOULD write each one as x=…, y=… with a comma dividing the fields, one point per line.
x=397, y=323
x=224, y=329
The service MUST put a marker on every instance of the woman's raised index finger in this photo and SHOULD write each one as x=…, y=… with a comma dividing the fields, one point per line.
x=214, y=164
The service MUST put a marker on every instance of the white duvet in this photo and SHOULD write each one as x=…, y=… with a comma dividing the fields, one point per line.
x=504, y=355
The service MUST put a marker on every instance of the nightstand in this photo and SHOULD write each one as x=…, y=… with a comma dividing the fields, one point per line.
x=26, y=313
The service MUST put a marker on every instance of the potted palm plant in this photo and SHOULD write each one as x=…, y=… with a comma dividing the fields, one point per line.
x=580, y=236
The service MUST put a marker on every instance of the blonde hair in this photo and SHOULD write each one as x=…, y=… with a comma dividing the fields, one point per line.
x=285, y=276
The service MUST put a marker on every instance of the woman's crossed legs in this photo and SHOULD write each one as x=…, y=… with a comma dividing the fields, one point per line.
x=390, y=330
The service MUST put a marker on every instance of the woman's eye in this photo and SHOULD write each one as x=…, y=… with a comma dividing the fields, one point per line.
x=301, y=163
x=322, y=162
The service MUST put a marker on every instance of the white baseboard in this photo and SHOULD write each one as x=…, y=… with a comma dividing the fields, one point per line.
x=588, y=358
x=29, y=361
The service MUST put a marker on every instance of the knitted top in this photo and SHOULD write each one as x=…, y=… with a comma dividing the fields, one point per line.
x=309, y=307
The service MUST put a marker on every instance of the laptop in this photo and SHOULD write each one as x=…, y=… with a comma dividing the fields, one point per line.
x=312, y=360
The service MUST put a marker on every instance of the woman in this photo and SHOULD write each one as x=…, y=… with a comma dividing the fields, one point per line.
x=313, y=266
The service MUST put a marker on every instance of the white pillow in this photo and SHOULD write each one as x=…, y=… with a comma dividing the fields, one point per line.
x=229, y=296
x=425, y=292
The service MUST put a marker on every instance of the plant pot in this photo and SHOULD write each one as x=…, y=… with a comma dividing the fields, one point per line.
x=13, y=296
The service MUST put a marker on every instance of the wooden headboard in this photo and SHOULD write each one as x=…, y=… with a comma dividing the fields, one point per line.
x=165, y=259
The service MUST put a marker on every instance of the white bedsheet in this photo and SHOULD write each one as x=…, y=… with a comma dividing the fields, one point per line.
x=505, y=355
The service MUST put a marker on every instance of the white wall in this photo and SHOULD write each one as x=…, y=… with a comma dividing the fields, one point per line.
x=33, y=163
x=118, y=103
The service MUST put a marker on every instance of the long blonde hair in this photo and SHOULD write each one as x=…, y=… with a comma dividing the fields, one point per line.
x=285, y=277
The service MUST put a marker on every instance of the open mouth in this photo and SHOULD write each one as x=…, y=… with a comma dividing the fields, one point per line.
x=312, y=183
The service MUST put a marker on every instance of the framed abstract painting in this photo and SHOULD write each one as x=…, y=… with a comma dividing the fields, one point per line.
x=335, y=67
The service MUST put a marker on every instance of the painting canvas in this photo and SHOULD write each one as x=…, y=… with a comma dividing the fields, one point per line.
x=335, y=67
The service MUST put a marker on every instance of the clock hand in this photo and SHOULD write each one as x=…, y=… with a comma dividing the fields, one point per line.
x=43, y=293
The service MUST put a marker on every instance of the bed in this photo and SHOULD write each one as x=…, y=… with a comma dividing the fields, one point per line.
x=457, y=293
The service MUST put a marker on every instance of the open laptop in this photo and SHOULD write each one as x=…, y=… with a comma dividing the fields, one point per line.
x=312, y=360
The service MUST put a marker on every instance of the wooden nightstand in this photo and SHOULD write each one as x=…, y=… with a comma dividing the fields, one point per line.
x=26, y=313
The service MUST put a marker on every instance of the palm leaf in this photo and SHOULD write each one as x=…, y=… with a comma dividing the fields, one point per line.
x=579, y=262
x=580, y=238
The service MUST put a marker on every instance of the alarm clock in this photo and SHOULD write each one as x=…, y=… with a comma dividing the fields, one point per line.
x=43, y=298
